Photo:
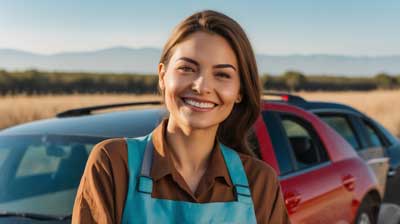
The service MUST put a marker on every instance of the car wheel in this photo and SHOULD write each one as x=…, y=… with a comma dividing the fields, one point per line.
x=368, y=212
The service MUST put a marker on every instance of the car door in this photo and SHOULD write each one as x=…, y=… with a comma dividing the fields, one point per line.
x=363, y=139
x=313, y=189
x=392, y=148
x=376, y=139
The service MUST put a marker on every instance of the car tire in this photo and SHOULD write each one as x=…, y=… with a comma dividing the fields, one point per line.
x=368, y=211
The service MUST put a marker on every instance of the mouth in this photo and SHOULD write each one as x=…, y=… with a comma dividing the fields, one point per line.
x=199, y=105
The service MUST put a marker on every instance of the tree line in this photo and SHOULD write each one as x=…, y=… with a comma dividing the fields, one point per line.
x=296, y=81
x=45, y=82
x=41, y=82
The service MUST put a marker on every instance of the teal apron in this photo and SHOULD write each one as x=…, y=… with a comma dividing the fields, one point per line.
x=140, y=207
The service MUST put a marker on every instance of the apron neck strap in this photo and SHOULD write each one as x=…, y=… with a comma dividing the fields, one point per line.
x=232, y=161
x=237, y=174
x=145, y=182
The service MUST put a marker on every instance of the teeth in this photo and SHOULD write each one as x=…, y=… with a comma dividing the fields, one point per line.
x=199, y=104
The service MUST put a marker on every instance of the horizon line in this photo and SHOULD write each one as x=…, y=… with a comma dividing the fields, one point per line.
x=160, y=49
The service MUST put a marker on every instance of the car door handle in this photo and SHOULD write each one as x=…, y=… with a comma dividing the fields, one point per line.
x=292, y=200
x=348, y=182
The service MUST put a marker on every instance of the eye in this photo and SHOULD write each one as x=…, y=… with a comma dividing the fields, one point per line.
x=185, y=69
x=223, y=75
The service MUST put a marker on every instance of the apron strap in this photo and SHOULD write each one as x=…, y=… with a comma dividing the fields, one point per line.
x=237, y=174
x=232, y=161
x=145, y=182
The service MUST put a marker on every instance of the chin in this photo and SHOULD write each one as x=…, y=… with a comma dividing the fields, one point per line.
x=200, y=124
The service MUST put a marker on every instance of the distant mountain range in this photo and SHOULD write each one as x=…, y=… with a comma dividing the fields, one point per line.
x=145, y=60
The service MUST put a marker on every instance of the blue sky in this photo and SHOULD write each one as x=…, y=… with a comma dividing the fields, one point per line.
x=278, y=27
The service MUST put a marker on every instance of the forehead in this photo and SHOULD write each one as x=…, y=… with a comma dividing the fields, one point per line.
x=205, y=48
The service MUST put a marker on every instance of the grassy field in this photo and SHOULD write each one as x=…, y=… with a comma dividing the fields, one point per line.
x=21, y=108
x=384, y=106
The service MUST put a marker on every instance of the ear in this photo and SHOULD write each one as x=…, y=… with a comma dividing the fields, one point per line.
x=161, y=75
x=239, y=98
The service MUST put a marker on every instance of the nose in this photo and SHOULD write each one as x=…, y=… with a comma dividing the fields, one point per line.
x=202, y=84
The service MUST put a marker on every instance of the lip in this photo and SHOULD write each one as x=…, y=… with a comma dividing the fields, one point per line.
x=198, y=100
x=198, y=109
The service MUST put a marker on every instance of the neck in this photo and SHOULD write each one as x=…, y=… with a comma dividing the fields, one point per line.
x=190, y=148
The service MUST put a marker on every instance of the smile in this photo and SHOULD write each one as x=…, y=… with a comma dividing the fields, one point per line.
x=199, y=104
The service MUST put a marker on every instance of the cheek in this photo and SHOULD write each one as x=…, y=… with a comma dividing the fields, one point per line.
x=169, y=92
x=229, y=93
x=175, y=85
x=228, y=97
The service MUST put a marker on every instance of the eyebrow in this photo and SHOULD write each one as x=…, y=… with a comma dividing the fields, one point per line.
x=197, y=64
x=225, y=66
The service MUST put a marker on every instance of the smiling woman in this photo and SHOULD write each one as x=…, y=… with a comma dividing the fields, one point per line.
x=201, y=83
x=196, y=166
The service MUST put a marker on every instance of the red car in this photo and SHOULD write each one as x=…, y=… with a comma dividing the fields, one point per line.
x=322, y=178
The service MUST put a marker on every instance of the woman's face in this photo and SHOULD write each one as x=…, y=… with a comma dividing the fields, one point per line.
x=201, y=82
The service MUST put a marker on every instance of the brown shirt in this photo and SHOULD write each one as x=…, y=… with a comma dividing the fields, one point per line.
x=104, y=185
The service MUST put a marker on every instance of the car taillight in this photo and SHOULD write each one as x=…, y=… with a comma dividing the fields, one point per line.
x=285, y=98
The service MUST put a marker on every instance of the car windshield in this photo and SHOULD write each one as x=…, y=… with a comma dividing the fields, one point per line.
x=39, y=174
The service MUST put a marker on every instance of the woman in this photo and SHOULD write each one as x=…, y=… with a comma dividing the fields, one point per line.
x=196, y=166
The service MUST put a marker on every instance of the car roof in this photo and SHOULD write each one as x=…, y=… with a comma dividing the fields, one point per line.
x=316, y=106
x=313, y=106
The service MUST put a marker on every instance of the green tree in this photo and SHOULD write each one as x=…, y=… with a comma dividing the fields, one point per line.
x=264, y=79
x=294, y=80
x=4, y=81
x=385, y=81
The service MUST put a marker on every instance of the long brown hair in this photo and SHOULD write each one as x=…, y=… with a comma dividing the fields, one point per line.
x=234, y=130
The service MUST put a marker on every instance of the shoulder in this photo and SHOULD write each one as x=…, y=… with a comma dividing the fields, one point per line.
x=266, y=191
x=262, y=178
x=103, y=186
x=109, y=147
x=258, y=171
x=109, y=152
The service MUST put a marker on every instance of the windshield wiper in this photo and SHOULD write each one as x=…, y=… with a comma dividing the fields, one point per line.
x=34, y=216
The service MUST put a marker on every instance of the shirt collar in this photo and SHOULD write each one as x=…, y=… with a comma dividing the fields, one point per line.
x=163, y=165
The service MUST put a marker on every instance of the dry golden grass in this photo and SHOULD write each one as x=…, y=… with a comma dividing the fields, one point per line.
x=383, y=106
x=21, y=108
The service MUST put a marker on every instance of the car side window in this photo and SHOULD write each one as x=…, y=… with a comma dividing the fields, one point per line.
x=343, y=127
x=280, y=145
x=374, y=139
x=304, y=141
